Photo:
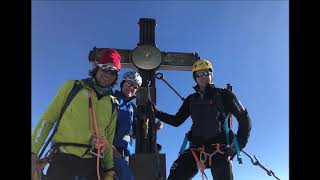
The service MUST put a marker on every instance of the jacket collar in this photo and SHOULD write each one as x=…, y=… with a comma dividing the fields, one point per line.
x=91, y=83
x=120, y=95
x=206, y=89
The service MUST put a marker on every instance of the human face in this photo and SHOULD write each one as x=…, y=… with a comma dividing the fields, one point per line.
x=203, y=78
x=129, y=89
x=106, y=77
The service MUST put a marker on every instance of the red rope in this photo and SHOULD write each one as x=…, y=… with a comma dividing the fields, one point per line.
x=100, y=142
x=201, y=166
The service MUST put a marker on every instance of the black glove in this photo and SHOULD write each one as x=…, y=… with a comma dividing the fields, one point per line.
x=230, y=151
x=242, y=142
x=159, y=147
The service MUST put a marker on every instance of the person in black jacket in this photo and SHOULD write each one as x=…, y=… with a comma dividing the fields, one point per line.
x=210, y=145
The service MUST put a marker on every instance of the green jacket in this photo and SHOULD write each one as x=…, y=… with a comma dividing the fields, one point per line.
x=74, y=126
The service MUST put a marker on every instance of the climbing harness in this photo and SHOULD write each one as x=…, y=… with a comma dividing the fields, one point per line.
x=100, y=142
x=204, y=156
x=200, y=163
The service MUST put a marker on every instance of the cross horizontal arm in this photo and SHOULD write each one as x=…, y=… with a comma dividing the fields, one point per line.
x=178, y=61
x=170, y=60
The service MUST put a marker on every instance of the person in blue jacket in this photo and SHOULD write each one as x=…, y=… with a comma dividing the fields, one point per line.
x=126, y=124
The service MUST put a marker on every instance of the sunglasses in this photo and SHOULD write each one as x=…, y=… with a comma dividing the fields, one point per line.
x=112, y=72
x=202, y=74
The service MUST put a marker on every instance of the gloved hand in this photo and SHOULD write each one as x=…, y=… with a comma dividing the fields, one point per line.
x=242, y=141
x=159, y=147
x=36, y=167
x=109, y=175
x=230, y=152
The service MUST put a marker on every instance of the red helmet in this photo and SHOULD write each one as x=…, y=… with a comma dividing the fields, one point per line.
x=110, y=58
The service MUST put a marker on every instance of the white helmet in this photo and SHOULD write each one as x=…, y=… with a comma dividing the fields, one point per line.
x=133, y=76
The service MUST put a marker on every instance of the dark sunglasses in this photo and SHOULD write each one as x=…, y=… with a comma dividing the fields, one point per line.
x=205, y=73
x=113, y=72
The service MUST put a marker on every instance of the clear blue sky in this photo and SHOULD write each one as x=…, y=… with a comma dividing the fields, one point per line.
x=247, y=42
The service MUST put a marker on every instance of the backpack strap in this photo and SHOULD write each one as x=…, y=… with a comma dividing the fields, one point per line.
x=184, y=144
x=218, y=99
x=75, y=89
x=114, y=103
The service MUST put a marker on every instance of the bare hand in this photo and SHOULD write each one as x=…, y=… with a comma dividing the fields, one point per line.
x=159, y=125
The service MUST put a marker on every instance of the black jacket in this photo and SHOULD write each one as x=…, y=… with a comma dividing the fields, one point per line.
x=208, y=111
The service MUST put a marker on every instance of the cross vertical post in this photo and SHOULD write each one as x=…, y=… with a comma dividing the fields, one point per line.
x=147, y=163
x=146, y=132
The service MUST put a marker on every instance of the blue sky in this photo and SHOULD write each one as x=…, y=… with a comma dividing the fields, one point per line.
x=247, y=42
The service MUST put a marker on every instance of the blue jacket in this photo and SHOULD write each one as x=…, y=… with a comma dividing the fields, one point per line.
x=126, y=123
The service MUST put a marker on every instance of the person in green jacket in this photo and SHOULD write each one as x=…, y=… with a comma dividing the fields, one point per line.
x=82, y=146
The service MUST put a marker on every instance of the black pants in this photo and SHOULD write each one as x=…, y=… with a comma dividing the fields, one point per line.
x=185, y=167
x=71, y=167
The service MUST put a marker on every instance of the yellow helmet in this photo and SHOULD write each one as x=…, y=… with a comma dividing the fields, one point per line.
x=201, y=64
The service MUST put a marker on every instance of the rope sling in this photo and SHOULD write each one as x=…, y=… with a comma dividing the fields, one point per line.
x=100, y=142
x=204, y=156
